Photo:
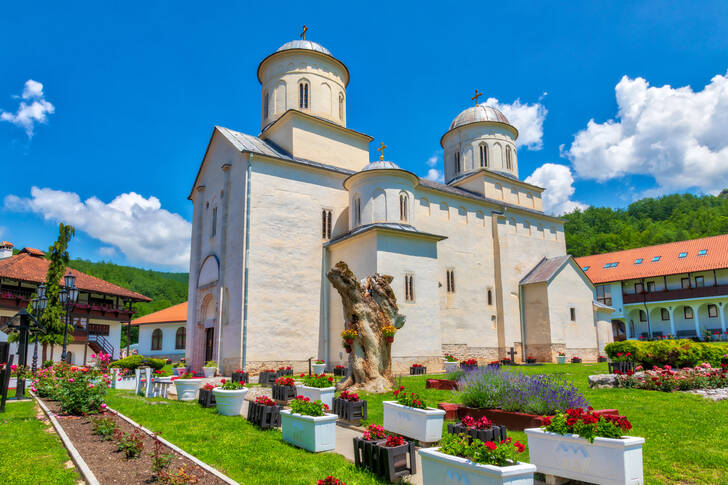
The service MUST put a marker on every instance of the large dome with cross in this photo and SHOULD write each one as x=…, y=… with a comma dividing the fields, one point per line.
x=481, y=112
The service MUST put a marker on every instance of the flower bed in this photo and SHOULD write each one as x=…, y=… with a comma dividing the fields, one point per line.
x=240, y=376
x=668, y=379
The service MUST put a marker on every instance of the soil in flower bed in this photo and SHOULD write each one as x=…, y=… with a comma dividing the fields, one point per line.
x=108, y=463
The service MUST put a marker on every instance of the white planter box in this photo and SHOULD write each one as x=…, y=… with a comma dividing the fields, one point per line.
x=187, y=389
x=439, y=468
x=606, y=461
x=450, y=367
x=209, y=371
x=312, y=433
x=323, y=394
x=318, y=368
x=421, y=424
x=179, y=370
x=229, y=403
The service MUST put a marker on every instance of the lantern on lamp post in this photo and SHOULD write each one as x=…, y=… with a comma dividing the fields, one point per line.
x=68, y=297
x=40, y=302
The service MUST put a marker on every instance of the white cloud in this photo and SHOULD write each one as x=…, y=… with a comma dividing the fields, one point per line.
x=527, y=118
x=107, y=251
x=559, y=184
x=435, y=172
x=435, y=175
x=136, y=226
x=32, y=109
x=675, y=135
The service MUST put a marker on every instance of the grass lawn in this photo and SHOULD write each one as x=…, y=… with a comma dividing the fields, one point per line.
x=686, y=435
x=30, y=454
x=234, y=446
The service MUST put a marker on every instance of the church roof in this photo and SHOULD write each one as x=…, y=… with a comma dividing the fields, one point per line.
x=545, y=270
x=392, y=226
x=478, y=113
x=304, y=44
x=380, y=165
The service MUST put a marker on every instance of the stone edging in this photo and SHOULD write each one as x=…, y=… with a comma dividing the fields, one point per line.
x=177, y=449
x=83, y=468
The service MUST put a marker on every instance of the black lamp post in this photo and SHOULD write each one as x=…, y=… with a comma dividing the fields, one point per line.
x=40, y=302
x=68, y=296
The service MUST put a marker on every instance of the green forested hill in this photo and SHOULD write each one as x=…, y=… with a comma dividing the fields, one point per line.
x=165, y=289
x=646, y=222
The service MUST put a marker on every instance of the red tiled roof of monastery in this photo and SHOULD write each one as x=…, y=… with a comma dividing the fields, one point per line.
x=30, y=265
x=704, y=254
x=6, y=244
x=176, y=313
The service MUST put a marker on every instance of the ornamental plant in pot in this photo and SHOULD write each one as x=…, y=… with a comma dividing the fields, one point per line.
x=179, y=368
x=284, y=389
x=393, y=458
x=348, y=336
x=307, y=425
x=186, y=386
x=317, y=388
x=264, y=413
x=561, y=358
x=210, y=368
x=482, y=429
x=318, y=366
x=418, y=369
x=366, y=452
x=451, y=363
x=388, y=332
x=530, y=359
x=606, y=455
x=475, y=462
x=469, y=364
x=350, y=407
x=409, y=416
x=576, y=359
x=229, y=398
x=206, y=398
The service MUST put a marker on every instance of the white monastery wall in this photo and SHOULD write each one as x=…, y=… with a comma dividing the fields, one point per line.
x=169, y=339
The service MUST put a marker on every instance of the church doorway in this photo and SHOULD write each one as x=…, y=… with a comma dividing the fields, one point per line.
x=618, y=330
x=209, y=343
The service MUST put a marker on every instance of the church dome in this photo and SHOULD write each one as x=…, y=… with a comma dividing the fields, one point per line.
x=478, y=113
x=380, y=165
x=306, y=45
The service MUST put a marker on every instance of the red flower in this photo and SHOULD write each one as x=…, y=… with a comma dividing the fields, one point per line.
x=519, y=447
x=490, y=445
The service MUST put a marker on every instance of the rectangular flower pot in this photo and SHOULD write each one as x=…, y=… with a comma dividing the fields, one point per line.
x=467, y=368
x=439, y=468
x=242, y=377
x=423, y=425
x=450, y=367
x=443, y=384
x=575, y=360
x=393, y=461
x=415, y=371
x=206, y=398
x=530, y=361
x=340, y=372
x=601, y=359
x=323, y=394
x=266, y=378
x=513, y=420
x=495, y=433
x=312, y=433
x=624, y=367
x=264, y=417
x=283, y=393
x=284, y=372
x=606, y=461
x=351, y=411
x=366, y=454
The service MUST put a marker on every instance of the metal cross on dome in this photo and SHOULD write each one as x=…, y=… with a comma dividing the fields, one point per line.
x=303, y=34
x=381, y=150
x=477, y=95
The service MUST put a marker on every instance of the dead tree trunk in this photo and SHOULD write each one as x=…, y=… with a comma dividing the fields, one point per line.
x=368, y=306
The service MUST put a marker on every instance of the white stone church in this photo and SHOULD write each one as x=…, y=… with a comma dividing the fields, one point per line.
x=478, y=267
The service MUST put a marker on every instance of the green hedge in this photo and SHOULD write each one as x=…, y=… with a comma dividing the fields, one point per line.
x=134, y=361
x=677, y=353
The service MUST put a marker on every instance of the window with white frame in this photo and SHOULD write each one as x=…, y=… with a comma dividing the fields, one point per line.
x=409, y=287
x=326, y=223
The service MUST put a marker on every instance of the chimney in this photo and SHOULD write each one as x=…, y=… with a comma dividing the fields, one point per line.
x=6, y=249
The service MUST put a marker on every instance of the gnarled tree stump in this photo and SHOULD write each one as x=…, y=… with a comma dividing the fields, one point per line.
x=369, y=305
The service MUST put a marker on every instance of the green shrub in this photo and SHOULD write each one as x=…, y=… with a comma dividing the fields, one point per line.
x=79, y=396
x=676, y=353
x=135, y=361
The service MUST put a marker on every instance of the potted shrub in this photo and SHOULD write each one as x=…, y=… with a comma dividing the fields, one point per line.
x=229, y=398
x=209, y=368
x=284, y=389
x=264, y=413
x=417, y=369
x=307, y=425
x=239, y=375
x=318, y=366
x=366, y=452
x=469, y=364
x=393, y=458
x=409, y=416
x=349, y=407
x=186, y=385
x=475, y=462
x=607, y=456
x=451, y=363
x=576, y=359
x=178, y=368
x=483, y=429
x=317, y=388
x=530, y=359
x=561, y=358
x=340, y=371
x=206, y=398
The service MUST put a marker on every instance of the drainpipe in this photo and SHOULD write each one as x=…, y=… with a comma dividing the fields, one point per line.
x=246, y=271
x=325, y=312
x=523, y=323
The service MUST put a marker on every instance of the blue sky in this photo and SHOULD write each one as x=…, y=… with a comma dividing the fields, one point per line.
x=130, y=92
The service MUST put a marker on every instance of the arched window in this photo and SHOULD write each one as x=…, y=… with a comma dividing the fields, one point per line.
x=403, y=207
x=266, y=99
x=356, y=212
x=457, y=162
x=341, y=106
x=303, y=95
x=508, y=158
x=157, y=339
x=180, y=338
x=483, y=155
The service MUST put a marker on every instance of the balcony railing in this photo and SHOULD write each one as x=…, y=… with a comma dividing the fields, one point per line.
x=681, y=294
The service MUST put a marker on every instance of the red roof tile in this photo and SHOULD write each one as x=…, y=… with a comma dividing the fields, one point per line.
x=33, y=251
x=7, y=244
x=176, y=313
x=32, y=267
x=669, y=262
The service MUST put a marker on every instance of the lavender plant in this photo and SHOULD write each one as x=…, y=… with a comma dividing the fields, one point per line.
x=494, y=388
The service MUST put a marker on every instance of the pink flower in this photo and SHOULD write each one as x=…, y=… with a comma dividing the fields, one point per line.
x=93, y=356
x=71, y=380
x=13, y=367
x=103, y=406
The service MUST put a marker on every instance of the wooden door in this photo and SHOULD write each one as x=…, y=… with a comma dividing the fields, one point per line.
x=209, y=343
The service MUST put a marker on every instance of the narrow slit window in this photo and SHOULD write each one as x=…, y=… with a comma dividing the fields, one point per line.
x=403, y=207
x=490, y=297
x=303, y=95
x=213, y=229
x=457, y=162
x=326, y=224
x=508, y=158
x=266, y=98
x=409, y=287
x=572, y=314
x=483, y=155
x=450, y=275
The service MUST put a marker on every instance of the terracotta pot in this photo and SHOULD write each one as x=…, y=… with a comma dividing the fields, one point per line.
x=390, y=339
x=349, y=341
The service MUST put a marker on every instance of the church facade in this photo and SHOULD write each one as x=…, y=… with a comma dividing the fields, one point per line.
x=478, y=267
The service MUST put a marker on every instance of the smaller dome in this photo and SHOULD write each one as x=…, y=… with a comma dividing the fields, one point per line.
x=380, y=165
x=478, y=113
x=304, y=44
